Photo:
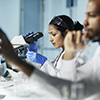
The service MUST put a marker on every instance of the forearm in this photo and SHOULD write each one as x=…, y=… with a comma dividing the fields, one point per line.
x=26, y=68
x=23, y=66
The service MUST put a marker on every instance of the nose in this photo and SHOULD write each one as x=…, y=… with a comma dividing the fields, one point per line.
x=50, y=38
x=86, y=21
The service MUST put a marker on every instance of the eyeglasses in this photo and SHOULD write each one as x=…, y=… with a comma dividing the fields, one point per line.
x=58, y=21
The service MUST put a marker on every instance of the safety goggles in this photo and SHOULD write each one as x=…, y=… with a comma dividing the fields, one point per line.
x=58, y=21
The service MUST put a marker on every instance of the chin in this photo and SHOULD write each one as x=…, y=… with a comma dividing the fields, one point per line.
x=56, y=47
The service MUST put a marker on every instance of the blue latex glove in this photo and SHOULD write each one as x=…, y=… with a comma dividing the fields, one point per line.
x=36, y=57
x=33, y=46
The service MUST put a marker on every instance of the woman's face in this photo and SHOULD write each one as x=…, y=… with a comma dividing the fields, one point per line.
x=55, y=37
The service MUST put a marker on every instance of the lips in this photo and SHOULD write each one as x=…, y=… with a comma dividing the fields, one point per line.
x=86, y=31
x=53, y=43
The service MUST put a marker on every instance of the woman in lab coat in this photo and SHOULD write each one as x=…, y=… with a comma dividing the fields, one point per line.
x=58, y=28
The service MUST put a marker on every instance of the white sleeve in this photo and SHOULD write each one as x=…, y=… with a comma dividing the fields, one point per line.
x=67, y=70
x=91, y=69
x=74, y=71
x=49, y=84
x=48, y=68
x=60, y=87
x=45, y=82
x=70, y=71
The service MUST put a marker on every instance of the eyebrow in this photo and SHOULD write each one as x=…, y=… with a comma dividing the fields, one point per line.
x=50, y=32
x=92, y=12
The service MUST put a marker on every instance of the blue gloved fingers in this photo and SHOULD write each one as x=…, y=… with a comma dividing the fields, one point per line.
x=36, y=57
x=33, y=46
x=28, y=34
x=32, y=32
x=31, y=55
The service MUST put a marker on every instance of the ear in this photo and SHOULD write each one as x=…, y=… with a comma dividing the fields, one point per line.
x=66, y=31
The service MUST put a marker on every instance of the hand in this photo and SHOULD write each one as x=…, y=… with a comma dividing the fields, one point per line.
x=33, y=46
x=73, y=42
x=36, y=57
x=6, y=49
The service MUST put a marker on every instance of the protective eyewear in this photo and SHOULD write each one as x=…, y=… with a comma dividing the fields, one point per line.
x=58, y=21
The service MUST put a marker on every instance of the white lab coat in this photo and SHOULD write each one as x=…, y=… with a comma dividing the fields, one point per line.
x=56, y=69
x=89, y=74
x=91, y=69
x=61, y=88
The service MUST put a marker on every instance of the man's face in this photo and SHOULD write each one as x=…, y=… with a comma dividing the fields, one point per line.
x=92, y=21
